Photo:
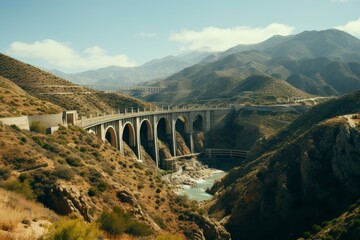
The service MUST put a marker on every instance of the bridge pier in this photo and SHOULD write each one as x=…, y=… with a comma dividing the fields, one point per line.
x=127, y=127
x=173, y=136
x=157, y=158
x=138, y=139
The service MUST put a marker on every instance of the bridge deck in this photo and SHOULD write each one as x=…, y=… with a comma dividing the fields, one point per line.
x=89, y=122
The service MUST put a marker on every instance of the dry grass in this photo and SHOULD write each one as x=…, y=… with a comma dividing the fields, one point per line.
x=16, y=210
x=14, y=101
x=96, y=166
x=49, y=88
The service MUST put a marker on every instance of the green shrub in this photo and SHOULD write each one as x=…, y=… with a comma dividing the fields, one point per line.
x=22, y=188
x=316, y=228
x=112, y=223
x=64, y=172
x=42, y=183
x=22, y=177
x=138, y=229
x=13, y=126
x=5, y=172
x=37, y=126
x=73, y=161
x=73, y=229
x=118, y=221
x=307, y=234
x=92, y=192
x=102, y=186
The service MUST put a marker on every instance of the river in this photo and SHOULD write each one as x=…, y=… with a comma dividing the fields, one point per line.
x=198, y=193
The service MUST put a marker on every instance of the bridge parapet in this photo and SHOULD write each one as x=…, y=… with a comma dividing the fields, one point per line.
x=226, y=153
x=86, y=122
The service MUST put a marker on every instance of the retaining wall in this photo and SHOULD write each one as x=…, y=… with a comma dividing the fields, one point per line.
x=24, y=122
x=21, y=122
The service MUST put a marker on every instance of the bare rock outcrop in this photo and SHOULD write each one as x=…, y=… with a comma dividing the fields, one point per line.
x=125, y=196
x=67, y=200
x=307, y=181
x=211, y=230
x=181, y=147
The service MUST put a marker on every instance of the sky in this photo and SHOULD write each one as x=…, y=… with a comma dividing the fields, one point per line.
x=79, y=35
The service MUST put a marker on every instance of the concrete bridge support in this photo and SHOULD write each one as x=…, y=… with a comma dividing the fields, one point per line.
x=128, y=128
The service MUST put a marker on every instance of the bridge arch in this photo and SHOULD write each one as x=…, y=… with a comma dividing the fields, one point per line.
x=147, y=138
x=128, y=134
x=182, y=126
x=164, y=133
x=198, y=126
x=149, y=129
x=110, y=136
x=198, y=123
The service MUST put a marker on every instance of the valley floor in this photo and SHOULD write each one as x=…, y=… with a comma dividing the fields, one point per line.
x=190, y=174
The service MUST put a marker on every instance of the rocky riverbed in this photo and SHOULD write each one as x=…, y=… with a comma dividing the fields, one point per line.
x=190, y=174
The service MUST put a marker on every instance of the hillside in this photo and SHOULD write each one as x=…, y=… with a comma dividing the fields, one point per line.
x=65, y=94
x=305, y=174
x=266, y=87
x=73, y=172
x=311, y=179
x=241, y=129
x=16, y=102
x=348, y=104
x=345, y=226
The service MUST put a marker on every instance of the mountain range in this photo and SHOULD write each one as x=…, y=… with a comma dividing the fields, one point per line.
x=111, y=77
x=323, y=63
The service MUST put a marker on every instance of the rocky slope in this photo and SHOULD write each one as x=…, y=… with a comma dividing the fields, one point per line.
x=306, y=181
x=73, y=172
x=348, y=104
x=345, y=226
x=241, y=129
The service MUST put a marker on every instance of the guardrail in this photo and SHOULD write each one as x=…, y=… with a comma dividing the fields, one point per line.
x=87, y=121
x=226, y=153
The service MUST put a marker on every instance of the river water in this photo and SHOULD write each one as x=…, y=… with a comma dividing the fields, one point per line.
x=198, y=193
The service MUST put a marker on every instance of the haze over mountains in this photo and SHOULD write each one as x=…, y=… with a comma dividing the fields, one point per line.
x=128, y=76
x=320, y=63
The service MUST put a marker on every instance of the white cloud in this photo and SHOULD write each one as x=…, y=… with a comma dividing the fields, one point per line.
x=352, y=27
x=146, y=34
x=220, y=39
x=62, y=56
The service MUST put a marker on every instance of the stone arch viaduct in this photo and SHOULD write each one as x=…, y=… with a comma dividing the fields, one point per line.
x=142, y=129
